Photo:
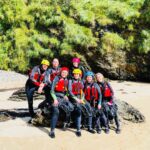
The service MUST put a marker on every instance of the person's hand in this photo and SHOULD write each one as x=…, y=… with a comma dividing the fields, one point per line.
x=66, y=98
x=99, y=106
x=40, y=89
x=79, y=101
x=42, y=85
x=109, y=103
x=55, y=102
x=82, y=101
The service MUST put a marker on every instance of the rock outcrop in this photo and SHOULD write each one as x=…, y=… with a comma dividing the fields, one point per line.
x=125, y=110
x=20, y=95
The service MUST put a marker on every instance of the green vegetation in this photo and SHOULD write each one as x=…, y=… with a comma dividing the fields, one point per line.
x=34, y=29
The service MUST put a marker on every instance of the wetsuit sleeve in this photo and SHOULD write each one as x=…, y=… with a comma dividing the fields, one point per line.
x=35, y=82
x=99, y=94
x=70, y=90
x=56, y=79
x=47, y=80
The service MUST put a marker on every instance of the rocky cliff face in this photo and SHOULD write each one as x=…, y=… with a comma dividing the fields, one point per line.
x=121, y=65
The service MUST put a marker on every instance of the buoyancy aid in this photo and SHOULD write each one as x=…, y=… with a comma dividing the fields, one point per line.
x=77, y=88
x=106, y=90
x=54, y=73
x=91, y=92
x=37, y=76
x=62, y=85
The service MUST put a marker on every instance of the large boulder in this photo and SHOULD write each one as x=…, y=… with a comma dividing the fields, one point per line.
x=126, y=113
x=129, y=113
x=125, y=110
x=11, y=80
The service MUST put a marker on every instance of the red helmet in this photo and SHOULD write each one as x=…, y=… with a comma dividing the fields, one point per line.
x=64, y=69
x=76, y=60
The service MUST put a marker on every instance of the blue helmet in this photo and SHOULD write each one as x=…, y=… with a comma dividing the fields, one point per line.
x=89, y=73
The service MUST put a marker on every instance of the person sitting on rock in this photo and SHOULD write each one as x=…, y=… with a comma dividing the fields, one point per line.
x=91, y=101
x=51, y=73
x=36, y=83
x=94, y=97
x=76, y=65
x=110, y=108
x=59, y=92
x=75, y=88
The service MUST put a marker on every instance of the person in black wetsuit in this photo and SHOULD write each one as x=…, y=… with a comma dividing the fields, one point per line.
x=51, y=73
x=59, y=93
x=35, y=82
x=94, y=96
x=76, y=65
x=110, y=108
x=76, y=95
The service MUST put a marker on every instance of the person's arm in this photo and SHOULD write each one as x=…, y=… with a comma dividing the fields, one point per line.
x=99, y=94
x=33, y=74
x=56, y=79
x=47, y=80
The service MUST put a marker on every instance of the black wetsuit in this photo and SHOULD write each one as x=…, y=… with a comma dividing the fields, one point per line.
x=63, y=104
x=36, y=77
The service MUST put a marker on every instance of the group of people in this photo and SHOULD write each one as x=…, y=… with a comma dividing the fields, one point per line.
x=82, y=96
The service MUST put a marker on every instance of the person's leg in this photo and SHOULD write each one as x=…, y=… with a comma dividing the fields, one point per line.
x=47, y=94
x=117, y=124
x=106, y=111
x=78, y=112
x=48, y=99
x=54, y=119
x=113, y=114
x=47, y=102
x=105, y=122
x=29, y=92
x=89, y=109
x=67, y=108
x=98, y=124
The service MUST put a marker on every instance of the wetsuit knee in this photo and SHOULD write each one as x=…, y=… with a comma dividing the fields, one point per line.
x=77, y=111
x=55, y=110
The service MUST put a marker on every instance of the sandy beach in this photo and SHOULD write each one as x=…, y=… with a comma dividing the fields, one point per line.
x=18, y=135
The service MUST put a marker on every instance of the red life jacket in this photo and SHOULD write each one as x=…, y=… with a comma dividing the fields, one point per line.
x=61, y=85
x=54, y=74
x=39, y=77
x=106, y=91
x=94, y=93
x=91, y=93
x=77, y=88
